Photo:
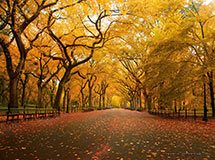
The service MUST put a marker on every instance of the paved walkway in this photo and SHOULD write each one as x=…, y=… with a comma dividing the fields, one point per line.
x=107, y=135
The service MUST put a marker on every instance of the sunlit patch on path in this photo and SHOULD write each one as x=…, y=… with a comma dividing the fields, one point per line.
x=110, y=134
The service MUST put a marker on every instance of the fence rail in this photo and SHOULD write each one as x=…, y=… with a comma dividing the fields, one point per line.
x=181, y=113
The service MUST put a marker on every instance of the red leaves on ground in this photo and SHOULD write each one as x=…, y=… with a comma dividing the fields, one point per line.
x=109, y=134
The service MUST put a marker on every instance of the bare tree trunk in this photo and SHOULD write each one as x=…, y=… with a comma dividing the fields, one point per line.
x=140, y=99
x=205, y=118
x=90, y=96
x=103, y=100
x=148, y=102
x=2, y=89
x=64, y=100
x=40, y=95
x=60, y=89
x=211, y=87
x=91, y=82
x=68, y=101
x=24, y=85
x=13, y=93
x=52, y=95
x=82, y=100
x=100, y=101
x=175, y=106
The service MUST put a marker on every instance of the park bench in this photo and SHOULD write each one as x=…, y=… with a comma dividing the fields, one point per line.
x=46, y=112
x=29, y=113
x=14, y=114
x=87, y=109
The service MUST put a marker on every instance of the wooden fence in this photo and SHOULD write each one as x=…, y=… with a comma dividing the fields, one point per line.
x=195, y=113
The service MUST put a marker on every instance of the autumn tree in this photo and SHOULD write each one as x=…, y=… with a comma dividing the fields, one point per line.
x=18, y=18
x=184, y=32
x=44, y=73
x=78, y=44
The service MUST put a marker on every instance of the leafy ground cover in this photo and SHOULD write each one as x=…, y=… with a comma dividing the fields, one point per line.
x=108, y=135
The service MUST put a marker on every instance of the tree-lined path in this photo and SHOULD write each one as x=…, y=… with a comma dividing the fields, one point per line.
x=107, y=135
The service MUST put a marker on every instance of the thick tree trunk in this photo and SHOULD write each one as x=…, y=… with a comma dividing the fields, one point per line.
x=13, y=75
x=211, y=87
x=60, y=89
x=13, y=93
x=58, y=96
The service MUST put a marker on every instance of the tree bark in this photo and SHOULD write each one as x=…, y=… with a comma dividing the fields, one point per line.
x=91, y=83
x=205, y=118
x=68, y=101
x=60, y=89
x=140, y=99
x=82, y=99
x=175, y=106
x=90, y=95
x=211, y=88
x=40, y=94
x=100, y=101
x=148, y=101
x=64, y=100
x=103, y=100
x=24, y=85
x=13, y=93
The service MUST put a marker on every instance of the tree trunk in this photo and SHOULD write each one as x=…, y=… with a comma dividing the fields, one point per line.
x=148, y=101
x=130, y=104
x=211, y=87
x=23, y=95
x=205, y=118
x=52, y=99
x=103, y=100
x=24, y=85
x=68, y=101
x=82, y=99
x=64, y=100
x=40, y=95
x=13, y=93
x=60, y=89
x=90, y=96
x=140, y=99
x=175, y=106
x=100, y=101
x=2, y=88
